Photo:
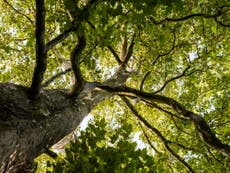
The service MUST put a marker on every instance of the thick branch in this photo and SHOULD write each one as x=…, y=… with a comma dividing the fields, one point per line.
x=75, y=62
x=126, y=52
x=158, y=133
x=123, y=49
x=58, y=39
x=129, y=53
x=202, y=127
x=41, y=52
x=114, y=54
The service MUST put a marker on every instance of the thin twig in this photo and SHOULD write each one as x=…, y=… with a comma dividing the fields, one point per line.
x=87, y=54
x=143, y=80
x=179, y=127
x=172, y=79
x=213, y=156
x=147, y=138
x=222, y=24
x=181, y=146
x=19, y=12
x=49, y=81
x=152, y=104
x=168, y=52
x=214, y=16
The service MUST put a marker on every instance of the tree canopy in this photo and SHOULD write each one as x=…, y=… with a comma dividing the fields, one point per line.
x=161, y=67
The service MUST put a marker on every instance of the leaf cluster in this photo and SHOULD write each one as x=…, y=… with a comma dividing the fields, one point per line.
x=100, y=148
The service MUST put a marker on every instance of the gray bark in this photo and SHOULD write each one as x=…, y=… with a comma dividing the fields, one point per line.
x=28, y=128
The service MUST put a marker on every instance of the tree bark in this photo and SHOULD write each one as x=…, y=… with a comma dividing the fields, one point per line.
x=29, y=128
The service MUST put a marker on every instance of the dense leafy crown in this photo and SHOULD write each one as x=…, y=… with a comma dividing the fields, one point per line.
x=178, y=49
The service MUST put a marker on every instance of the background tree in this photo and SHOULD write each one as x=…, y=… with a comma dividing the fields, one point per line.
x=164, y=64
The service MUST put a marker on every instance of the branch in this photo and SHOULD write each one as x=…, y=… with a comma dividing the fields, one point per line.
x=147, y=138
x=114, y=54
x=123, y=49
x=83, y=15
x=125, y=54
x=178, y=128
x=143, y=80
x=171, y=80
x=129, y=52
x=213, y=156
x=59, y=38
x=58, y=54
x=87, y=54
x=158, y=57
x=67, y=32
x=75, y=62
x=158, y=133
x=49, y=81
x=168, y=52
x=41, y=52
x=20, y=13
x=202, y=127
x=51, y=153
x=181, y=146
x=152, y=104
x=214, y=16
x=222, y=24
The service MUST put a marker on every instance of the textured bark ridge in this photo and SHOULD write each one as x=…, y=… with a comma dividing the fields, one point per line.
x=28, y=128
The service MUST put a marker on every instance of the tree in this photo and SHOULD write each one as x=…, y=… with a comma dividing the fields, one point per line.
x=167, y=63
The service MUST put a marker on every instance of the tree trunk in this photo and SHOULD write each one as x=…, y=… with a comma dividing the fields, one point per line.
x=28, y=128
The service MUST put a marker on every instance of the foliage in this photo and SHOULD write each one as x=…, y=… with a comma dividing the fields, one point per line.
x=181, y=52
x=103, y=148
